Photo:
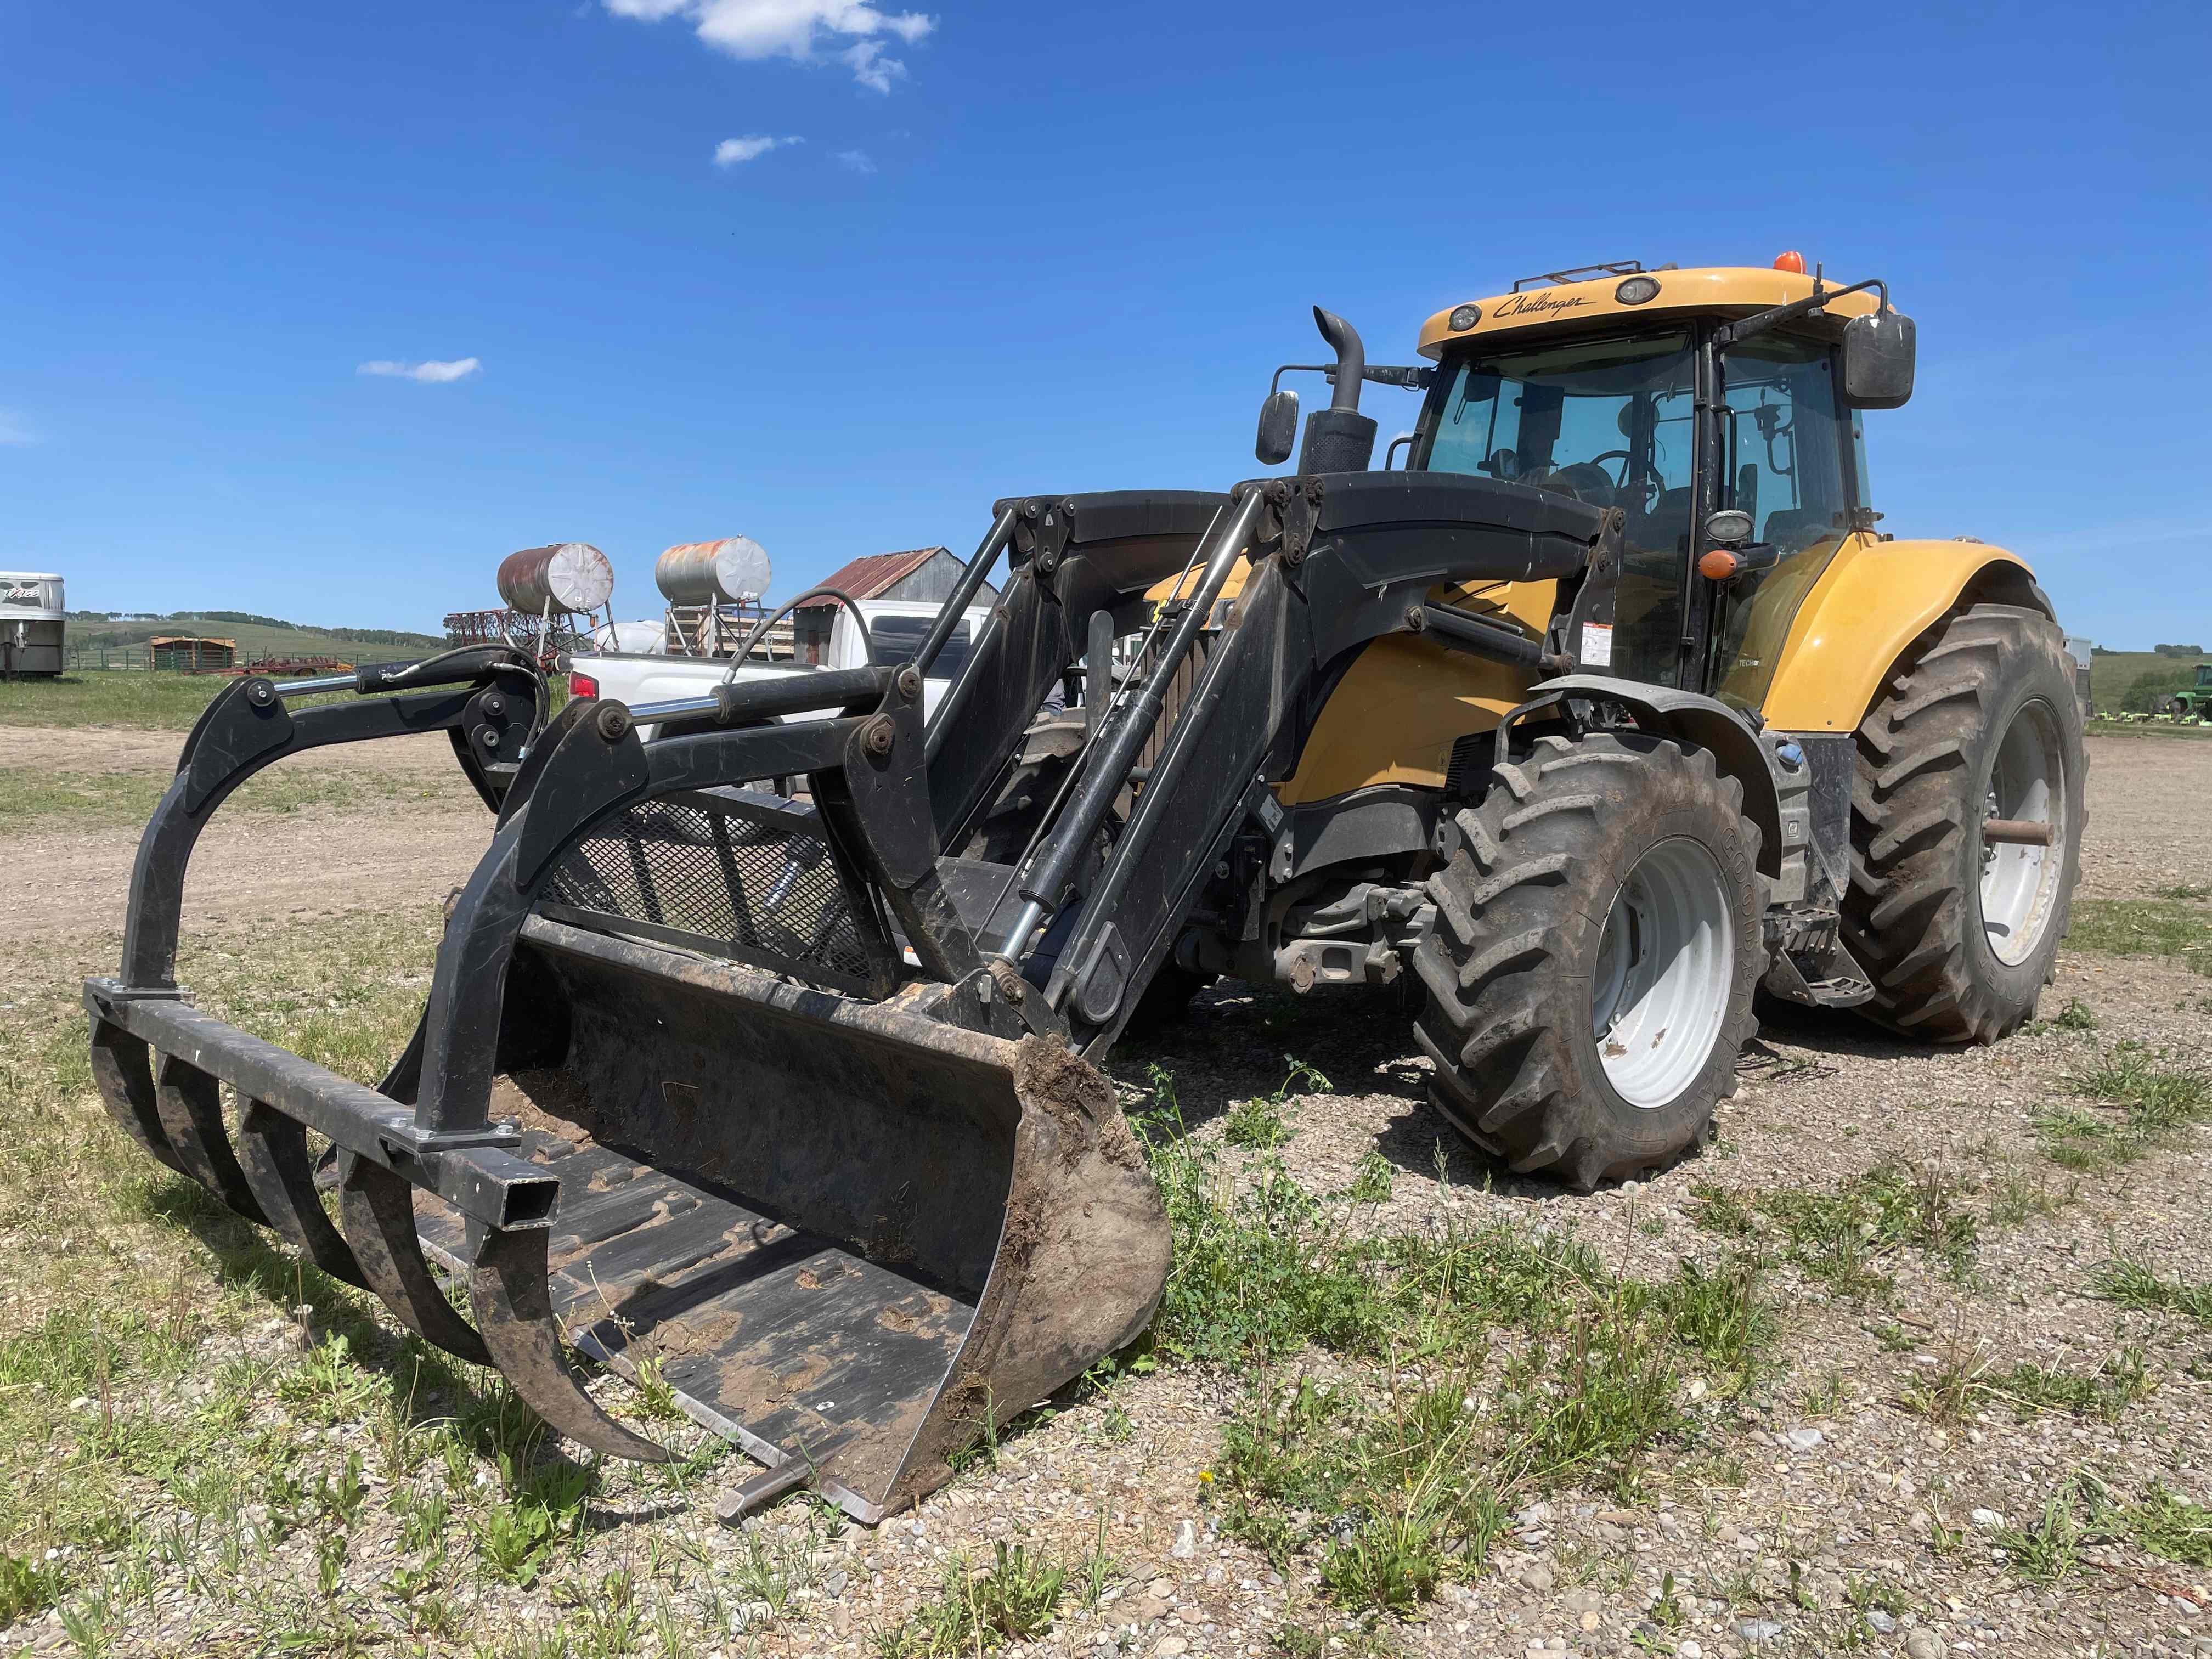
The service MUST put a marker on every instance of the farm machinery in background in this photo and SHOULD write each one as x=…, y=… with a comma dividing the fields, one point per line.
x=2192, y=702
x=34, y=624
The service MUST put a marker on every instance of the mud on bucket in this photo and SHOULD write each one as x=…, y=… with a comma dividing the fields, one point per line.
x=847, y=1234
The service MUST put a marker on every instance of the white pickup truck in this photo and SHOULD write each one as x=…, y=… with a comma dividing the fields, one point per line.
x=896, y=628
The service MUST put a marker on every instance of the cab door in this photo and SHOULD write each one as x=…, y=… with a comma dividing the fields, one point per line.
x=1788, y=457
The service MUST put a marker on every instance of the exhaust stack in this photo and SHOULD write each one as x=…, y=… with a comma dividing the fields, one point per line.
x=1340, y=439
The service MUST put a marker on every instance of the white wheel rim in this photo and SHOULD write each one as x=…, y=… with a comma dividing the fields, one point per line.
x=2020, y=884
x=1665, y=968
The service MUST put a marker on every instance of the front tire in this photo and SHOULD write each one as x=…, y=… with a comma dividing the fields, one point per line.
x=1598, y=938
x=1979, y=721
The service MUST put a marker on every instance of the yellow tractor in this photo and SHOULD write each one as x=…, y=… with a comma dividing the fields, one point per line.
x=1892, y=775
x=1608, y=707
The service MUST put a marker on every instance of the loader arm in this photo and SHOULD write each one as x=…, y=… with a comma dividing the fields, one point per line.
x=1071, y=556
x=1337, y=561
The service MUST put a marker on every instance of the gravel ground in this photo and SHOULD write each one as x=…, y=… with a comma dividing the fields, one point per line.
x=249, y=869
x=1821, y=1493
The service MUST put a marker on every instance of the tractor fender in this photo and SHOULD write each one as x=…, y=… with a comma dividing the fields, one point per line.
x=1874, y=598
x=1737, y=750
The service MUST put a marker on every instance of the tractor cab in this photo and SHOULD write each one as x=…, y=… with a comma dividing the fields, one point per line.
x=1715, y=410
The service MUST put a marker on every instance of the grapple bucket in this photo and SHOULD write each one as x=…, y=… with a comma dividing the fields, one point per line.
x=841, y=1232
x=732, y=1085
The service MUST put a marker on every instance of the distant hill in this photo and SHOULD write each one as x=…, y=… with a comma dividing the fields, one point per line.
x=2113, y=673
x=255, y=635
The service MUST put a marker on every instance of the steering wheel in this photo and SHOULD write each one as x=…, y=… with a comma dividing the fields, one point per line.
x=1647, y=489
x=1586, y=481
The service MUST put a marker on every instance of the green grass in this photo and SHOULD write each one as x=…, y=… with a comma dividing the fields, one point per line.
x=253, y=640
x=26, y=1587
x=2029, y=1390
x=2155, y=1099
x=1840, y=1237
x=154, y=702
x=2048, y=1549
x=162, y=702
x=2147, y=728
x=2170, y=1527
x=2171, y=926
x=2136, y=1283
x=1261, y=1123
x=1017, y=1598
x=1488, y=1361
x=2162, y=1522
x=2075, y=1016
x=41, y=797
x=1258, y=1271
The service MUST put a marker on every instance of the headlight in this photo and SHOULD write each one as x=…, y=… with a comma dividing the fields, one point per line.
x=1635, y=290
x=1464, y=318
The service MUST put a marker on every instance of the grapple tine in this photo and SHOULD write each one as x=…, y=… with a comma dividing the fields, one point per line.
x=274, y=1148
x=125, y=1077
x=377, y=1208
x=514, y=1312
x=191, y=1109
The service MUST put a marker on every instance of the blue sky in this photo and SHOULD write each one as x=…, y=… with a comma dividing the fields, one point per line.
x=1012, y=248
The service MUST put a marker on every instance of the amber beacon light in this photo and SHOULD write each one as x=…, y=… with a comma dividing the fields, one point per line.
x=1792, y=261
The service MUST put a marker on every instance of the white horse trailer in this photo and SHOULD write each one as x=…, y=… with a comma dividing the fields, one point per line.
x=32, y=618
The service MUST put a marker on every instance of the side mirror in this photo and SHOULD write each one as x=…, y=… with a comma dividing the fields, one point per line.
x=1278, y=428
x=1878, y=356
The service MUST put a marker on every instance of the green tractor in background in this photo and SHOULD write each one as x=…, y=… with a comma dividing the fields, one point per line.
x=2191, y=702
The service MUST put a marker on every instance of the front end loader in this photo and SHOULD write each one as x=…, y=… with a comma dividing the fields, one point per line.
x=1606, y=712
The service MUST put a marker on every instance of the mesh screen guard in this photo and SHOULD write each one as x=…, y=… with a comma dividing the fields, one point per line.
x=734, y=873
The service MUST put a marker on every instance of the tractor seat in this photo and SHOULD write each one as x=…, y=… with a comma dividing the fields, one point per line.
x=1663, y=529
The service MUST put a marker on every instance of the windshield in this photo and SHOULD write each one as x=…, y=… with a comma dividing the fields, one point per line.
x=1608, y=422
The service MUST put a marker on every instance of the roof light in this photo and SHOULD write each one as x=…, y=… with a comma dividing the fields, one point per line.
x=1792, y=262
x=1464, y=318
x=1636, y=290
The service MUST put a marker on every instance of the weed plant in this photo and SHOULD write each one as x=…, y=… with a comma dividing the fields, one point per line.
x=2172, y=926
x=1839, y=1238
x=1518, y=1362
x=2084, y=1509
x=2029, y=1390
x=981, y=1609
x=2156, y=1098
x=2136, y=1283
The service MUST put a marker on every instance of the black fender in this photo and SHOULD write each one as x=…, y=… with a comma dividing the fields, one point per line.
x=1736, y=746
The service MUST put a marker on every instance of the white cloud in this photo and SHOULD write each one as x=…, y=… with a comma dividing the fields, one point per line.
x=858, y=159
x=15, y=431
x=429, y=374
x=754, y=29
x=731, y=151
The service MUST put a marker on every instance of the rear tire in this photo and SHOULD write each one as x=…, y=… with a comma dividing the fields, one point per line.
x=1613, y=881
x=1980, y=720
